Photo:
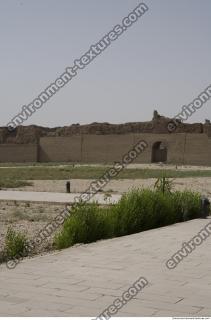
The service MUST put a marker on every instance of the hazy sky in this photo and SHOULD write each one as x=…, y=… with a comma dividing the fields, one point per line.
x=162, y=62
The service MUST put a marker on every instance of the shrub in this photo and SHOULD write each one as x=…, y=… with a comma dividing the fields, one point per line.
x=87, y=223
x=137, y=211
x=190, y=205
x=15, y=243
x=141, y=210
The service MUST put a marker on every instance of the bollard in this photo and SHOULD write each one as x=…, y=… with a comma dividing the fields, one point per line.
x=205, y=207
x=68, y=186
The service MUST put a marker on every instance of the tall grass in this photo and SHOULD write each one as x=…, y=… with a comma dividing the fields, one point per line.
x=137, y=211
x=15, y=243
x=164, y=184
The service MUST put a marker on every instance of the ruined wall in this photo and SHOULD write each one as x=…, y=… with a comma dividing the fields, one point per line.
x=198, y=149
x=174, y=143
x=105, y=148
x=100, y=148
x=183, y=148
x=60, y=149
x=18, y=153
x=84, y=148
x=159, y=125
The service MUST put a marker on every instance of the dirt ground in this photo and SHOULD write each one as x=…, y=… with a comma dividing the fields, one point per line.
x=199, y=184
x=33, y=217
x=29, y=218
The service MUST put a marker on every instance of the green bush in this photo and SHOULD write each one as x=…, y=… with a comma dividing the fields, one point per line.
x=190, y=203
x=137, y=211
x=141, y=210
x=15, y=243
x=88, y=223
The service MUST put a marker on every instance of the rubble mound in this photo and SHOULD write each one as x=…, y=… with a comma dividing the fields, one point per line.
x=32, y=133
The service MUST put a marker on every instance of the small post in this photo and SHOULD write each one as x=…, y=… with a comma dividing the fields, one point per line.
x=205, y=207
x=68, y=186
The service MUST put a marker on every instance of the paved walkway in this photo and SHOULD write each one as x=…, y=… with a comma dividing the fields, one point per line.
x=85, y=280
x=53, y=197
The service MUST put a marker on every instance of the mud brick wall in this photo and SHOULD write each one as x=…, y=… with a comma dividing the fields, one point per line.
x=198, y=149
x=18, y=152
x=174, y=143
x=60, y=149
x=105, y=148
x=183, y=148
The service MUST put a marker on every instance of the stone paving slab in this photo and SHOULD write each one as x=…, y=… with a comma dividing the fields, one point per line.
x=84, y=280
x=53, y=197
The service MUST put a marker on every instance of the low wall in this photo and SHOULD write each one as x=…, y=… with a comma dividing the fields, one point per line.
x=18, y=153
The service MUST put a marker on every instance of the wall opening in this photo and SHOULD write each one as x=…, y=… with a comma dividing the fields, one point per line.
x=159, y=152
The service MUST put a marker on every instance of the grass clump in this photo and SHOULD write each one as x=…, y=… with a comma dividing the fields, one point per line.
x=137, y=211
x=164, y=184
x=15, y=243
